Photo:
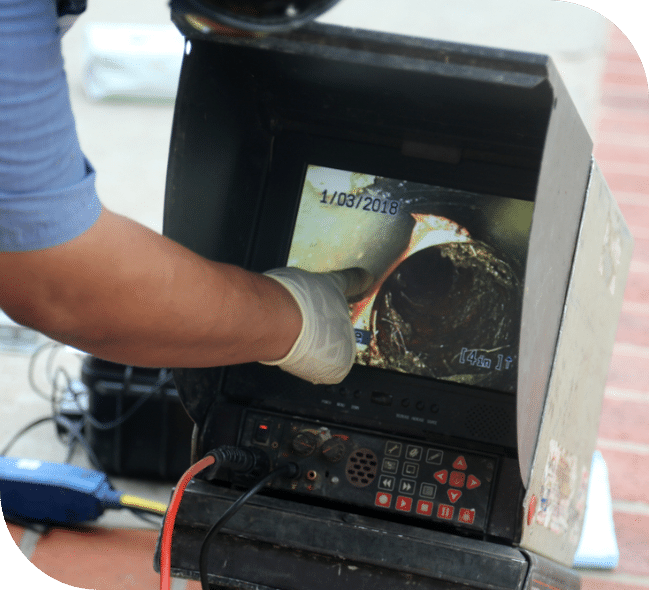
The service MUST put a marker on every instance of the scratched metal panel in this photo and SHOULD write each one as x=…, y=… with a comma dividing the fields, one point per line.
x=556, y=497
x=558, y=209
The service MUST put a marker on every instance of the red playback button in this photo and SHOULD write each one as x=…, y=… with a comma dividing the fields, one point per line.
x=383, y=500
x=445, y=512
x=424, y=508
x=404, y=504
x=466, y=516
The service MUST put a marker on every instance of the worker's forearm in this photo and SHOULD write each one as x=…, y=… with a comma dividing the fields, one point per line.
x=124, y=293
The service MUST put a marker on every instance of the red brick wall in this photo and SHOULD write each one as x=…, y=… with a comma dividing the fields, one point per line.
x=622, y=150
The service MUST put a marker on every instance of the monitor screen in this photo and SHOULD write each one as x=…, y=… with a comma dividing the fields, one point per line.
x=447, y=268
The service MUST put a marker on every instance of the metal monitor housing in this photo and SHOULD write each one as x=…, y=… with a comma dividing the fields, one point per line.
x=250, y=114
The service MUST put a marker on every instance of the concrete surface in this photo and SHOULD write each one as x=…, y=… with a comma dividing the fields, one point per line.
x=127, y=141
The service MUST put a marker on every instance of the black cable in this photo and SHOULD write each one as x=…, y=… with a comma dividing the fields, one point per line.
x=164, y=379
x=72, y=447
x=50, y=359
x=145, y=515
x=31, y=369
x=74, y=430
x=74, y=427
x=287, y=469
x=23, y=431
x=131, y=411
x=77, y=437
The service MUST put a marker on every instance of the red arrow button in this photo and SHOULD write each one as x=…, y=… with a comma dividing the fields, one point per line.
x=472, y=482
x=454, y=495
x=404, y=504
x=460, y=463
x=441, y=476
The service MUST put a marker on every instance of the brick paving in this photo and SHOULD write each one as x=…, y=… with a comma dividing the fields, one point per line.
x=633, y=538
x=116, y=559
x=625, y=420
x=629, y=367
x=628, y=474
x=634, y=325
x=95, y=553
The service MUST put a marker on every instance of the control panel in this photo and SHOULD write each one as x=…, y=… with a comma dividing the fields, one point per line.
x=385, y=473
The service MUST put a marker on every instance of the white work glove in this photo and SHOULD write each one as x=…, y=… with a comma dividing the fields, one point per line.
x=326, y=347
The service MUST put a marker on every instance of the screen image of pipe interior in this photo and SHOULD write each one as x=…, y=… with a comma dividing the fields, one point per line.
x=448, y=268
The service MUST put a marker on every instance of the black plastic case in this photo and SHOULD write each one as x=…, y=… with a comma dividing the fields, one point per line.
x=151, y=433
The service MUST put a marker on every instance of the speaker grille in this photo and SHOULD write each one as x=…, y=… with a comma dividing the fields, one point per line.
x=361, y=468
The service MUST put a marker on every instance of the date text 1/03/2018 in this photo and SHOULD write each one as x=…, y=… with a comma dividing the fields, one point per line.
x=361, y=202
x=472, y=357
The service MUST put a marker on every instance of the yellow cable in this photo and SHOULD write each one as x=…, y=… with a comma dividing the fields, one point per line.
x=143, y=504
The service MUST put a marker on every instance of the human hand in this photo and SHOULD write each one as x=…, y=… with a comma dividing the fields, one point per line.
x=325, y=349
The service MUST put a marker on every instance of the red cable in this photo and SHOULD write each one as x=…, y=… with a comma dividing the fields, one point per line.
x=170, y=520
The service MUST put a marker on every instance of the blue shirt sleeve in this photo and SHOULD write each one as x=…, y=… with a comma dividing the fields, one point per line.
x=47, y=188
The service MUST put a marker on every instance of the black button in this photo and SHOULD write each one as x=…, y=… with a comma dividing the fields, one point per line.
x=262, y=432
x=420, y=405
x=413, y=453
x=405, y=402
x=380, y=398
x=393, y=449
x=411, y=469
x=434, y=408
x=407, y=486
x=386, y=482
x=390, y=465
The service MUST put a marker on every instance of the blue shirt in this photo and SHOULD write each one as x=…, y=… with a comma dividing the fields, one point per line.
x=47, y=187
